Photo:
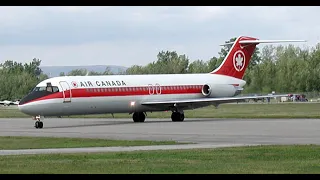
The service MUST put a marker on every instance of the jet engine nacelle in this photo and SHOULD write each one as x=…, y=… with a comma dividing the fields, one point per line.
x=219, y=90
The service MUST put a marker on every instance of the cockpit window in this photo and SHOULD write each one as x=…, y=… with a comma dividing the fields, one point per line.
x=39, y=89
x=48, y=88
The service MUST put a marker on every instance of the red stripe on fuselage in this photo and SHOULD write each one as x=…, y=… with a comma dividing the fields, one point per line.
x=123, y=91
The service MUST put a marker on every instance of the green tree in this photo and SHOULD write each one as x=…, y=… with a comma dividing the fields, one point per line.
x=198, y=66
x=78, y=72
x=18, y=79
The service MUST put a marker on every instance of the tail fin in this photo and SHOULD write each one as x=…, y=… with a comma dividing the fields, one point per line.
x=238, y=58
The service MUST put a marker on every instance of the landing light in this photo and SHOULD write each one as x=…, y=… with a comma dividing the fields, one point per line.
x=132, y=103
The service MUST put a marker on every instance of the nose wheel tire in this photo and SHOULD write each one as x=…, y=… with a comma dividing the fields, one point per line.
x=38, y=124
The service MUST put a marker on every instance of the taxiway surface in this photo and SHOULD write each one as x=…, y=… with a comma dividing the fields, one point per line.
x=208, y=131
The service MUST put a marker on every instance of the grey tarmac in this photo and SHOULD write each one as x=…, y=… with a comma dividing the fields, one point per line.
x=215, y=132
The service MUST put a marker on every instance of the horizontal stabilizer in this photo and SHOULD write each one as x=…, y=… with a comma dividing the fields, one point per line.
x=262, y=41
x=268, y=41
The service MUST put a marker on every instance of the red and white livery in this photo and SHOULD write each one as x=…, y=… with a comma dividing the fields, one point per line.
x=138, y=94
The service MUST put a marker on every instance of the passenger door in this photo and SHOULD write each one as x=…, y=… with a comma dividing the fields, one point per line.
x=66, y=91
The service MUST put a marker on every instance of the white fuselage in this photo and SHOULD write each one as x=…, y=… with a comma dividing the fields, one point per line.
x=120, y=93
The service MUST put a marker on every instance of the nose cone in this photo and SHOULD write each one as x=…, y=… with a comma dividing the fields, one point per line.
x=24, y=107
x=20, y=105
x=28, y=109
x=22, y=101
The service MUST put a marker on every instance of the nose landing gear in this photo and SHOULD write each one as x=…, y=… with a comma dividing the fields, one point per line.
x=38, y=124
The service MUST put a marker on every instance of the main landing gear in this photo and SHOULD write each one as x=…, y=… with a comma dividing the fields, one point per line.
x=138, y=117
x=38, y=124
x=175, y=116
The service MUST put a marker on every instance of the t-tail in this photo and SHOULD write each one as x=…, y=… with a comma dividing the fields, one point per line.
x=238, y=58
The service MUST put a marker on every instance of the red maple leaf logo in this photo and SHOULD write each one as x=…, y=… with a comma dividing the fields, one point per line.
x=74, y=84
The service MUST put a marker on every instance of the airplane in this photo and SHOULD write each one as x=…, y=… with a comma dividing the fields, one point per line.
x=139, y=94
x=8, y=103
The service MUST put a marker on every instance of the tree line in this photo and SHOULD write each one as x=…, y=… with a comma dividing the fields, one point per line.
x=17, y=79
x=284, y=69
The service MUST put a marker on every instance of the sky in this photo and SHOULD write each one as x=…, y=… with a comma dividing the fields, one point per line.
x=126, y=36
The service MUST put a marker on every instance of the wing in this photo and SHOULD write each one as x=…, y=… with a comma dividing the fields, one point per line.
x=15, y=103
x=7, y=103
x=205, y=101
